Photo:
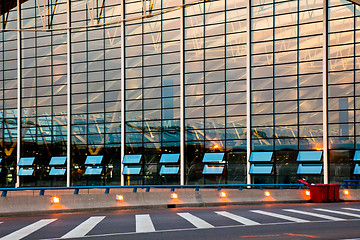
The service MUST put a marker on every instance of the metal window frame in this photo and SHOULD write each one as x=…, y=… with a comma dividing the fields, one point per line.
x=213, y=169
x=57, y=171
x=167, y=158
x=303, y=156
x=57, y=161
x=94, y=159
x=133, y=159
x=356, y=156
x=93, y=170
x=261, y=157
x=163, y=169
x=137, y=167
x=304, y=167
x=25, y=172
x=356, y=169
x=269, y=168
x=26, y=161
x=213, y=157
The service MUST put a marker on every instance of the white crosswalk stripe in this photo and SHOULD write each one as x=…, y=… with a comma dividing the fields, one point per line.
x=276, y=215
x=315, y=215
x=197, y=222
x=338, y=212
x=144, y=223
x=237, y=218
x=351, y=209
x=84, y=227
x=25, y=231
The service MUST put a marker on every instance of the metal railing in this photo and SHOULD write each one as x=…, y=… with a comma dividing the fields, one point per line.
x=351, y=183
x=148, y=187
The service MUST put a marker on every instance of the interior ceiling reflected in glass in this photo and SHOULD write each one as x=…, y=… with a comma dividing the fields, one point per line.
x=154, y=78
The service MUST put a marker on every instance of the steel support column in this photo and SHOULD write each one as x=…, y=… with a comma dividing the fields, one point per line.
x=182, y=99
x=19, y=75
x=68, y=73
x=122, y=180
x=325, y=93
x=248, y=92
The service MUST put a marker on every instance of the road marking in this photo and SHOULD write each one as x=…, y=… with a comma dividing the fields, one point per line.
x=84, y=227
x=315, y=215
x=237, y=218
x=293, y=219
x=195, y=229
x=25, y=231
x=144, y=223
x=197, y=222
x=338, y=212
x=352, y=209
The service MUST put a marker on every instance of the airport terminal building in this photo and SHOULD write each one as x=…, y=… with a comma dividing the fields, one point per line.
x=128, y=92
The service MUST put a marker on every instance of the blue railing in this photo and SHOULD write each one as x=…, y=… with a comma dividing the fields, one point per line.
x=351, y=183
x=148, y=187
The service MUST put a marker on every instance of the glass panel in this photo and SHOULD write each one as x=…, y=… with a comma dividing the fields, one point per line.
x=309, y=156
x=132, y=170
x=57, y=161
x=57, y=171
x=213, y=157
x=28, y=161
x=93, y=160
x=93, y=170
x=132, y=159
x=169, y=170
x=309, y=169
x=261, y=168
x=26, y=171
x=170, y=158
x=357, y=169
x=213, y=169
x=261, y=156
x=356, y=156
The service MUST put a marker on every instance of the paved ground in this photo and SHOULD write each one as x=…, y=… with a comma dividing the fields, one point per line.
x=277, y=221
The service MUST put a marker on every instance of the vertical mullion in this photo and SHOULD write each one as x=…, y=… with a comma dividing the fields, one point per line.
x=325, y=92
x=19, y=75
x=182, y=99
x=248, y=92
x=354, y=85
x=68, y=56
x=225, y=94
x=122, y=90
x=273, y=92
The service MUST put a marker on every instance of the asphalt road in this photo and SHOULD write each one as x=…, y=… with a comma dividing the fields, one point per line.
x=277, y=221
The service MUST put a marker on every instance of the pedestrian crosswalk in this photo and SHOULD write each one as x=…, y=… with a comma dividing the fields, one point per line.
x=352, y=209
x=25, y=231
x=237, y=218
x=84, y=227
x=197, y=222
x=315, y=215
x=146, y=223
x=281, y=216
x=338, y=212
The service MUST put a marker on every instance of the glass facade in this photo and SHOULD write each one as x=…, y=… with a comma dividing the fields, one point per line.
x=265, y=82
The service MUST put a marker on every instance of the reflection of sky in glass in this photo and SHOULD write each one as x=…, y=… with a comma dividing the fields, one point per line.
x=280, y=50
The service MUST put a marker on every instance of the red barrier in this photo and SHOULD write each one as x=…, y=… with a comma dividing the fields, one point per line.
x=323, y=192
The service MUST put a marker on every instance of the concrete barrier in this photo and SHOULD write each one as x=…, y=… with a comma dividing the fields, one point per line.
x=156, y=198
